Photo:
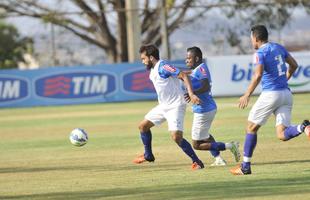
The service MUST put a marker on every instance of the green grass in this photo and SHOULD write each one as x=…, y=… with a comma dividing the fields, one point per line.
x=37, y=160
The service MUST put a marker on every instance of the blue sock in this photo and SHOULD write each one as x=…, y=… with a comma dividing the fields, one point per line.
x=214, y=153
x=146, y=138
x=217, y=146
x=291, y=132
x=187, y=148
x=249, y=146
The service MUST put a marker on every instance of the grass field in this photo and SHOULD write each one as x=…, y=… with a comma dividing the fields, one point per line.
x=37, y=160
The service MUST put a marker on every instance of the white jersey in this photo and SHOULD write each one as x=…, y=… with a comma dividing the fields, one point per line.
x=168, y=87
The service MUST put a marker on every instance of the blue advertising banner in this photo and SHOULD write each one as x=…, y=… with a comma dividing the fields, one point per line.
x=126, y=82
x=75, y=85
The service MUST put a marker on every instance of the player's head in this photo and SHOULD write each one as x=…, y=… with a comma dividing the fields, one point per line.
x=193, y=57
x=259, y=35
x=149, y=55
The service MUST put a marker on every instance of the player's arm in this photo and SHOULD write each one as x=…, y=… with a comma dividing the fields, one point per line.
x=188, y=84
x=244, y=100
x=205, y=86
x=292, y=66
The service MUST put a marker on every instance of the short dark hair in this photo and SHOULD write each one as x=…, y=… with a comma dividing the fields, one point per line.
x=196, y=51
x=150, y=50
x=260, y=32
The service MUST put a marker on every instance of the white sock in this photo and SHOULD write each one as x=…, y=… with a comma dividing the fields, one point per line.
x=228, y=145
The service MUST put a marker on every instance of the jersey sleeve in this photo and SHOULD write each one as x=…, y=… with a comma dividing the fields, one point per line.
x=167, y=70
x=284, y=51
x=201, y=73
x=258, y=58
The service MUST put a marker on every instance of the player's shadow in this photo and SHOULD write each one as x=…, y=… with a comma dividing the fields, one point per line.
x=242, y=188
x=281, y=162
x=114, y=167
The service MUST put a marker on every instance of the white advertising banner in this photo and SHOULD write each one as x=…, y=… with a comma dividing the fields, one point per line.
x=231, y=75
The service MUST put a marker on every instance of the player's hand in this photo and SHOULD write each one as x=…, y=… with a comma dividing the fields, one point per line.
x=195, y=99
x=244, y=101
x=187, y=98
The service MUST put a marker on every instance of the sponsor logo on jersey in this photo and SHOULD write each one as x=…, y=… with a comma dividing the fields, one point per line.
x=203, y=71
x=169, y=68
x=75, y=85
x=138, y=81
x=12, y=89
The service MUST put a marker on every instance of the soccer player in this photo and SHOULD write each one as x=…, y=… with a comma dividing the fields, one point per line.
x=204, y=112
x=172, y=106
x=276, y=97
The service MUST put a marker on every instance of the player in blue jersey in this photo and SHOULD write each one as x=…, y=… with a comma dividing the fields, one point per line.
x=172, y=106
x=204, y=112
x=276, y=97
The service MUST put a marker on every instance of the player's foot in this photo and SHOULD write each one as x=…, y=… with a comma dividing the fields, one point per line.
x=238, y=170
x=219, y=161
x=235, y=150
x=197, y=165
x=141, y=159
x=305, y=127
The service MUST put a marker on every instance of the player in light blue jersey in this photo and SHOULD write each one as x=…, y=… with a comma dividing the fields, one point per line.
x=204, y=112
x=276, y=97
x=171, y=105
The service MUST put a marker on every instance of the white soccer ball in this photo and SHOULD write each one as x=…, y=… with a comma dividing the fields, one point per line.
x=78, y=137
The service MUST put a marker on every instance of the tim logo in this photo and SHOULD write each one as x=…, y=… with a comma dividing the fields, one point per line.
x=139, y=82
x=12, y=89
x=75, y=85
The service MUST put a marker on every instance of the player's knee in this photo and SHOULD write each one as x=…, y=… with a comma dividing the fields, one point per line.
x=196, y=145
x=252, y=128
x=143, y=127
x=177, y=138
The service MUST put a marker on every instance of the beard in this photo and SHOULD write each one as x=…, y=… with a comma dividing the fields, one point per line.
x=149, y=65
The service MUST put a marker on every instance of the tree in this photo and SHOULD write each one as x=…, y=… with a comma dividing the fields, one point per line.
x=103, y=22
x=12, y=46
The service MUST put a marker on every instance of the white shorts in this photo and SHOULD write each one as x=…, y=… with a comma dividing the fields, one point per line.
x=174, y=116
x=201, y=125
x=277, y=102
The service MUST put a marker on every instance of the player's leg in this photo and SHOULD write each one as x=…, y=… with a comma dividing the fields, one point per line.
x=175, y=119
x=202, y=140
x=286, y=131
x=258, y=116
x=154, y=117
x=177, y=136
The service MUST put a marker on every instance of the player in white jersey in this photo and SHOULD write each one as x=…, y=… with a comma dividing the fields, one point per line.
x=204, y=113
x=172, y=106
x=276, y=98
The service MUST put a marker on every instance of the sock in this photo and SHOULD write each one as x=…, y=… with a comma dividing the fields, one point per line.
x=215, y=153
x=146, y=138
x=292, y=131
x=249, y=146
x=187, y=148
x=217, y=146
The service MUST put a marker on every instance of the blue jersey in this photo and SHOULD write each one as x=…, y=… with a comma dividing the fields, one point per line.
x=272, y=56
x=207, y=102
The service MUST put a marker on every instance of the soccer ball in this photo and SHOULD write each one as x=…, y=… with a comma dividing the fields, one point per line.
x=78, y=137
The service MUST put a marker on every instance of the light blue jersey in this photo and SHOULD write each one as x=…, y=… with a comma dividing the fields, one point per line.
x=207, y=103
x=272, y=56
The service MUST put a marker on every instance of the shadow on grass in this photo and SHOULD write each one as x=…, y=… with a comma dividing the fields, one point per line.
x=282, y=162
x=243, y=188
x=151, y=166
